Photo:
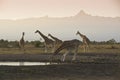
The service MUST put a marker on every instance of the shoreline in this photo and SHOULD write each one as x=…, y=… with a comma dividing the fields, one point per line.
x=80, y=58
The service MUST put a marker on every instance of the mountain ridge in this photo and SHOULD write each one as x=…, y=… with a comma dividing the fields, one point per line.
x=81, y=13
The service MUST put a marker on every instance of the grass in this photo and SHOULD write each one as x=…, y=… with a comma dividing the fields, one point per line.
x=92, y=49
x=75, y=71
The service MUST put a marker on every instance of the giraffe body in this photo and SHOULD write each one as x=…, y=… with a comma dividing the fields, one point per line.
x=58, y=42
x=70, y=45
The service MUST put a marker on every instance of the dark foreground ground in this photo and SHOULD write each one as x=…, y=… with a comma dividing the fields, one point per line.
x=71, y=71
x=88, y=66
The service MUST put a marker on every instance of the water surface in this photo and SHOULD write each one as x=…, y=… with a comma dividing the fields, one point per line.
x=23, y=63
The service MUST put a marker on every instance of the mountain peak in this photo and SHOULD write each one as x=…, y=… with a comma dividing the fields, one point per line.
x=81, y=13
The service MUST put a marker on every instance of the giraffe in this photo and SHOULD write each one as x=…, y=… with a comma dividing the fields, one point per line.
x=48, y=42
x=70, y=45
x=58, y=42
x=22, y=42
x=85, y=41
x=22, y=46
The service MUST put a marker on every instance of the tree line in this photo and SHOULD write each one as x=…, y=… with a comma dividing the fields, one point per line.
x=37, y=43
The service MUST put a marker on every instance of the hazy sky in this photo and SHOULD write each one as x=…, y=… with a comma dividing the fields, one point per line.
x=15, y=9
x=19, y=9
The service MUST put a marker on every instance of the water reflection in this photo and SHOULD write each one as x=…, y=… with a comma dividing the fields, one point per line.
x=23, y=63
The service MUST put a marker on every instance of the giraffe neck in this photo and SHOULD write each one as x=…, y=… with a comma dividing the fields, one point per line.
x=81, y=35
x=56, y=39
x=22, y=36
x=85, y=39
x=42, y=35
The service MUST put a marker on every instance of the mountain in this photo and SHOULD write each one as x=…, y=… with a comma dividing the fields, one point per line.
x=97, y=28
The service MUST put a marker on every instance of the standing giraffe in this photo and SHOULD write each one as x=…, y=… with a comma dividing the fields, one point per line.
x=48, y=42
x=58, y=42
x=22, y=46
x=85, y=40
x=22, y=42
x=70, y=45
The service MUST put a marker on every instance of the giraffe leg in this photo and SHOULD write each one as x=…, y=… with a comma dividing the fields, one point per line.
x=64, y=55
x=74, y=57
x=87, y=48
x=84, y=48
x=24, y=49
x=75, y=53
x=51, y=58
x=53, y=48
x=45, y=49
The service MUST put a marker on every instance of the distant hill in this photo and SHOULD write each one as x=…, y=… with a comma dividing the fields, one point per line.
x=95, y=27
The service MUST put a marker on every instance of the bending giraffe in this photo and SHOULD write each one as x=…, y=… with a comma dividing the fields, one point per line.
x=85, y=41
x=58, y=42
x=70, y=45
x=48, y=42
x=22, y=42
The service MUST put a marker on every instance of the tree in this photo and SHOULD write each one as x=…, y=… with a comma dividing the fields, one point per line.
x=111, y=41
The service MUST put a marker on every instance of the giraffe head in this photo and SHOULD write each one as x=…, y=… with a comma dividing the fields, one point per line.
x=77, y=33
x=49, y=34
x=23, y=33
x=37, y=31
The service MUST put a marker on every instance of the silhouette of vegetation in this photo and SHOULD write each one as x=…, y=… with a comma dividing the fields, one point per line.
x=37, y=44
x=15, y=44
x=8, y=44
x=110, y=46
x=4, y=43
x=112, y=41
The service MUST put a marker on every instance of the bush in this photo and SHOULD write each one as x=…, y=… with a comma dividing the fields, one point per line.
x=38, y=44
